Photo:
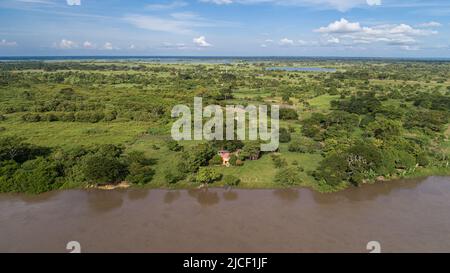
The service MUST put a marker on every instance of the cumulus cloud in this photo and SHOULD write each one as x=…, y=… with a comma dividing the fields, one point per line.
x=286, y=42
x=7, y=43
x=373, y=2
x=108, y=46
x=201, y=42
x=67, y=44
x=341, y=26
x=348, y=33
x=88, y=45
x=73, y=2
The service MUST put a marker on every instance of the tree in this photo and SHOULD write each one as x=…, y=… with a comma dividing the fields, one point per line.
x=207, y=175
x=288, y=114
x=196, y=157
x=37, y=176
x=101, y=168
x=385, y=129
x=285, y=136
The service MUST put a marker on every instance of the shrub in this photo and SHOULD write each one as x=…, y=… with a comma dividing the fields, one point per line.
x=196, y=157
x=173, y=177
x=288, y=114
x=287, y=176
x=139, y=173
x=231, y=180
x=173, y=145
x=37, y=176
x=233, y=160
x=239, y=163
x=99, y=168
x=216, y=160
x=31, y=117
x=278, y=161
x=285, y=136
x=207, y=175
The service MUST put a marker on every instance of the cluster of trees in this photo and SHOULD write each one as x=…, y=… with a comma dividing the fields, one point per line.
x=32, y=169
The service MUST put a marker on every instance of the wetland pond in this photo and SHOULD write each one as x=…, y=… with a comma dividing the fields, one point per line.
x=403, y=216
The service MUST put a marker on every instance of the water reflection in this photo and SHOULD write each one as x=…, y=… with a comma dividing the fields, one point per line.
x=205, y=197
x=136, y=194
x=171, y=196
x=288, y=195
x=105, y=201
x=230, y=195
x=368, y=192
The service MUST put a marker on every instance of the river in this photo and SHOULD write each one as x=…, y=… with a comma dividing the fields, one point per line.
x=412, y=216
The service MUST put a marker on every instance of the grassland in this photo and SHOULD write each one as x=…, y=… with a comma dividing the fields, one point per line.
x=141, y=95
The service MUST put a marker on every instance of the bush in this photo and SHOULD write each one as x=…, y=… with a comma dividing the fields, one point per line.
x=196, y=157
x=231, y=180
x=207, y=175
x=278, y=161
x=31, y=117
x=139, y=174
x=173, y=145
x=173, y=177
x=37, y=176
x=233, y=160
x=285, y=136
x=288, y=114
x=216, y=160
x=99, y=168
x=67, y=117
x=287, y=176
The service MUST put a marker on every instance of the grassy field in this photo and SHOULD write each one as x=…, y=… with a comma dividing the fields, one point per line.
x=142, y=100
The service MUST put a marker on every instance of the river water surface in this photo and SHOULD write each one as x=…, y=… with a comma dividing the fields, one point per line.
x=402, y=216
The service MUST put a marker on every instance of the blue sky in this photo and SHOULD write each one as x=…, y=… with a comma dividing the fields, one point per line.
x=372, y=28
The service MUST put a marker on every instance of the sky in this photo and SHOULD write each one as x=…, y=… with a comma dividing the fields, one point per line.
x=347, y=28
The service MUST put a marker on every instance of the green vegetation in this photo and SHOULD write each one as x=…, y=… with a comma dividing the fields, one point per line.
x=72, y=124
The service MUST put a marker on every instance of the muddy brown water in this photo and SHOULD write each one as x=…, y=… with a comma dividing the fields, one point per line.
x=412, y=216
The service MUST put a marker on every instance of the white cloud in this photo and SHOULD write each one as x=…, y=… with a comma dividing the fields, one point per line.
x=349, y=33
x=73, y=2
x=177, y=23
x=219, y=2
x=201, y=42
x=286, y=42
x=373, y=2
x=67, y=44
x=108, y=46
x=341, y=26
x=333, y=40
x=431, y=24
x=88, y=45
x=7, y=43
x=166, y=6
